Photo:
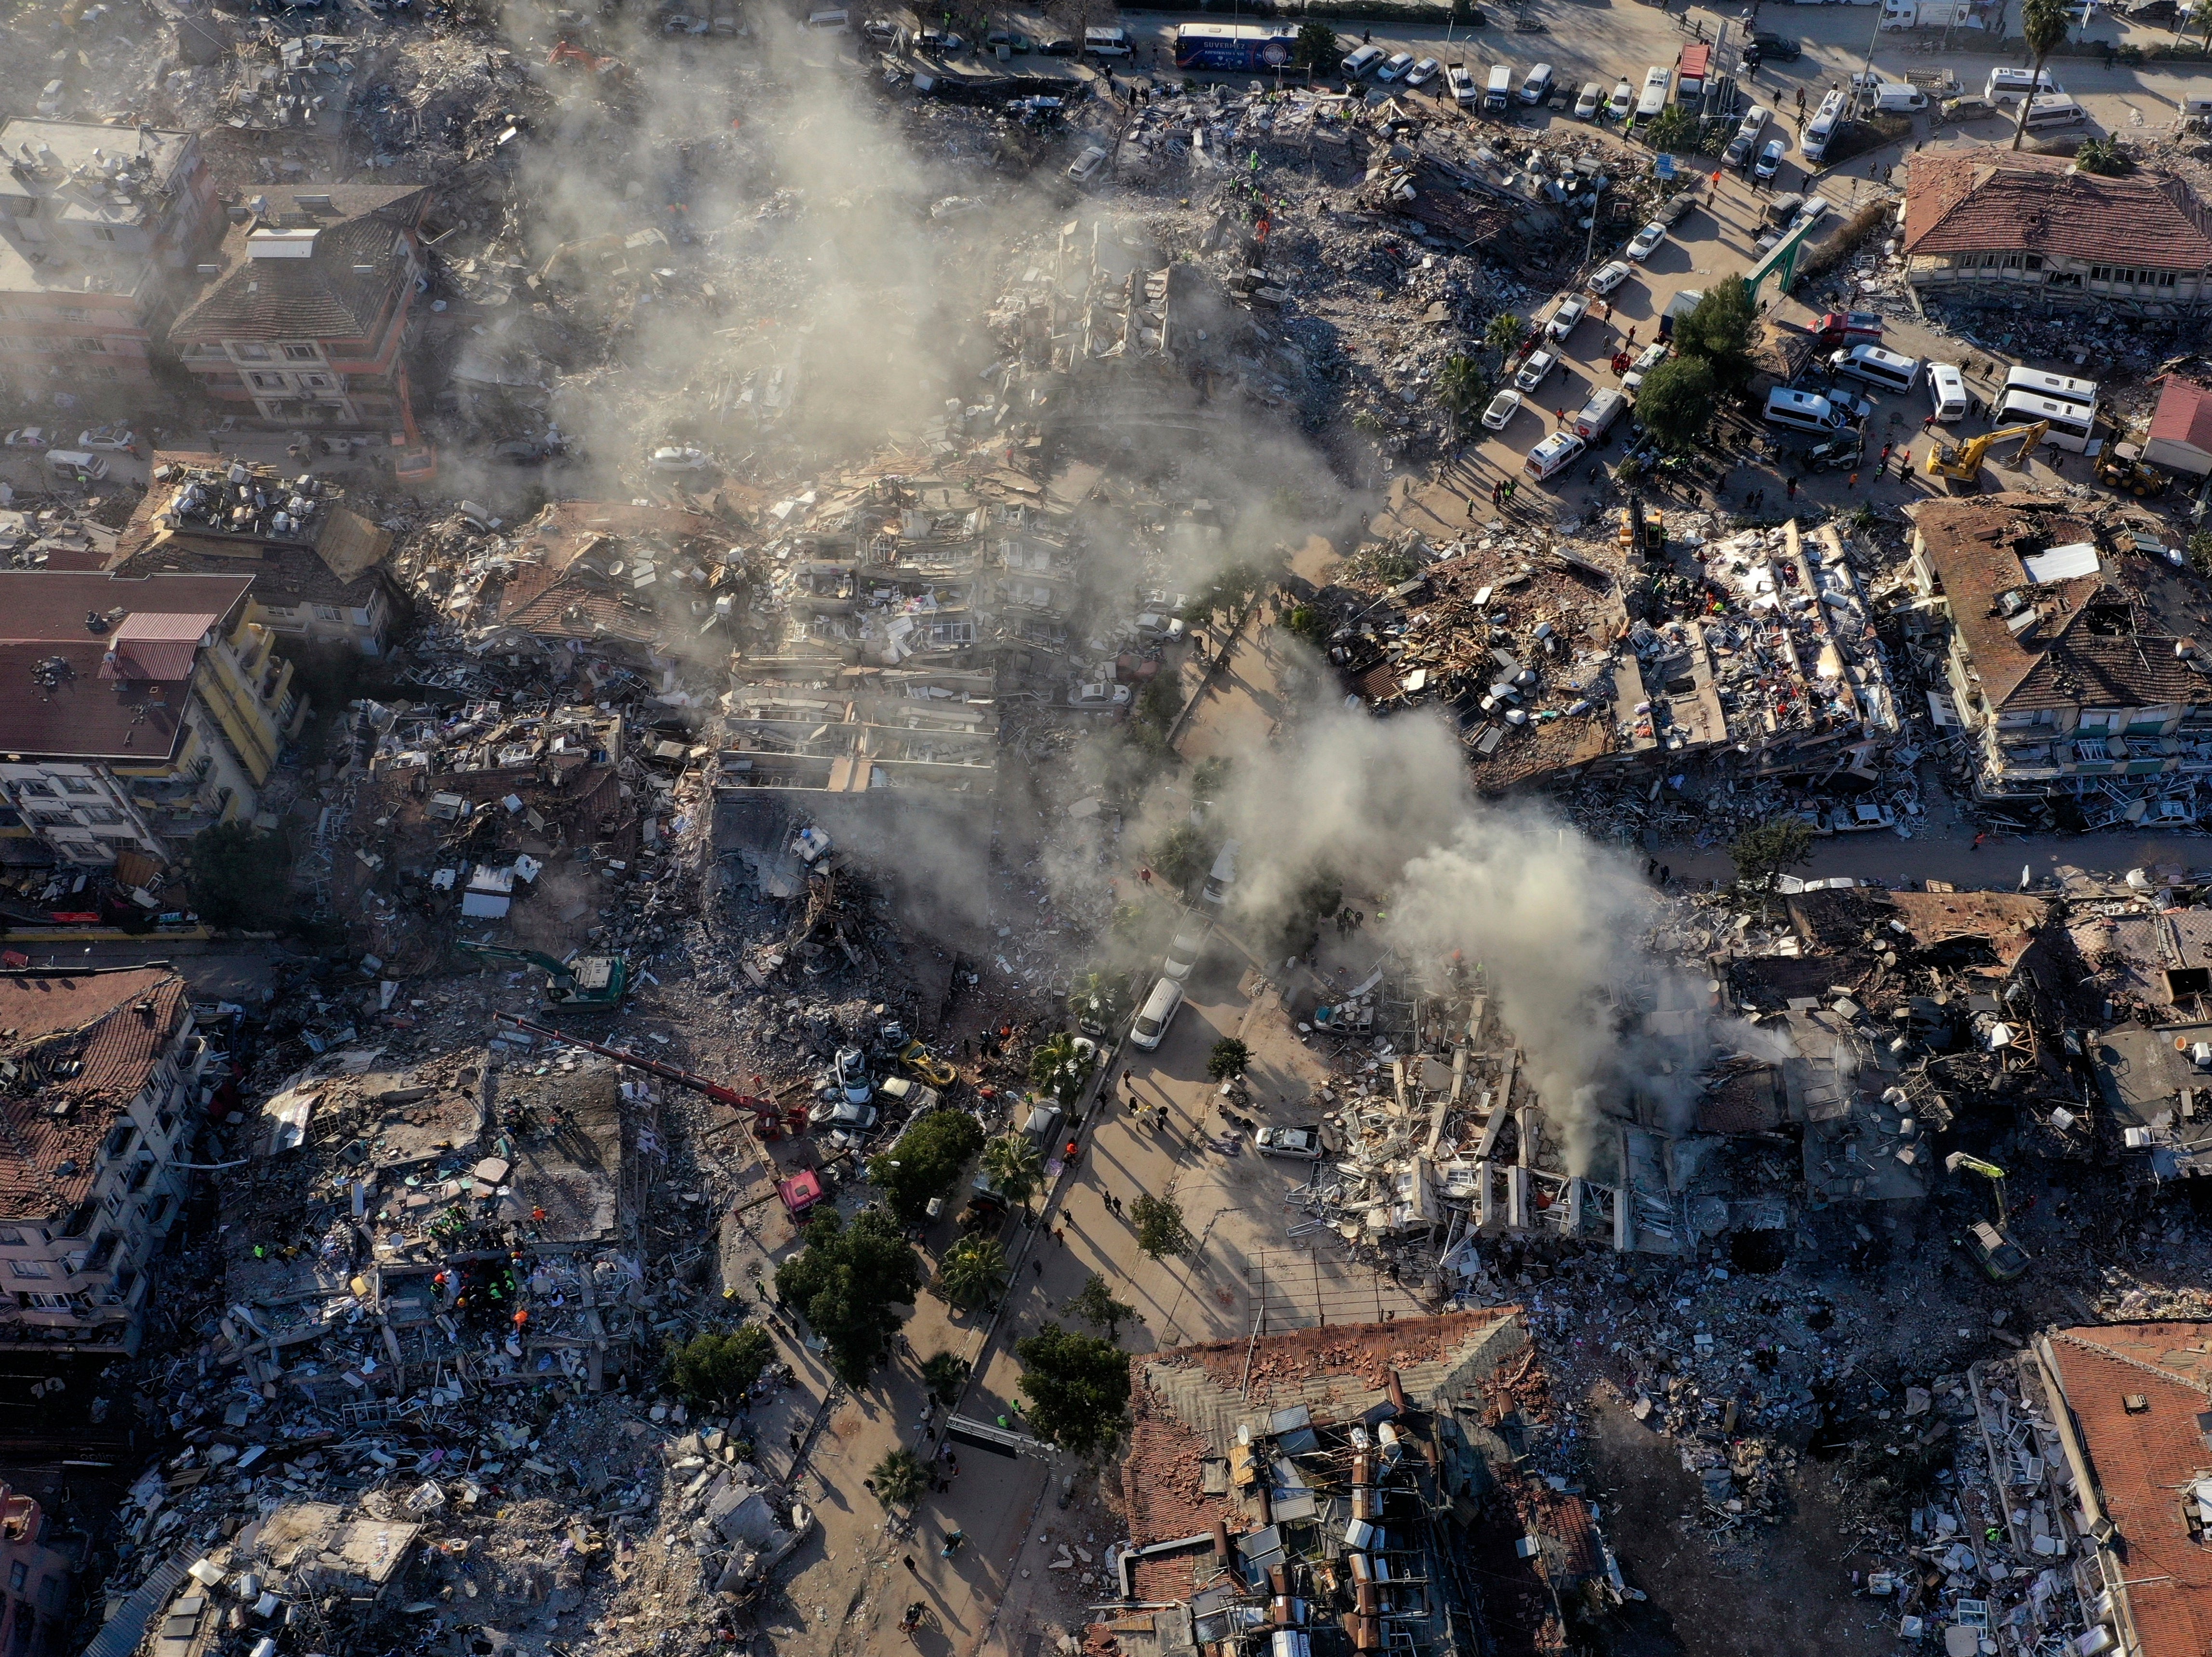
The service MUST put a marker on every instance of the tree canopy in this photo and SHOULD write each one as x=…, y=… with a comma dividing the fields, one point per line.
x=845, y=1283
x=1719, y=331
x=927, y=1162
x=1161, y=1232
x=1078, y=1388
x=239, y=877
x=973, y=1273
x=716, y=1370
x=1675, y=402
x=1765, y=849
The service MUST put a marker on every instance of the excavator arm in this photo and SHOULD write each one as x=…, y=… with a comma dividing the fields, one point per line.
x=1964, y=463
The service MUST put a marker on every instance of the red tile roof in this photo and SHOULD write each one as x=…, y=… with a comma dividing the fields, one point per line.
x=1987, y=201
x=2184, y=414
x=89, y=1040
x=2144, y=1461
x=346, y=289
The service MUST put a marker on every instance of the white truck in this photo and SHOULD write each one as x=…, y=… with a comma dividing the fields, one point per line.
x=1927, y=13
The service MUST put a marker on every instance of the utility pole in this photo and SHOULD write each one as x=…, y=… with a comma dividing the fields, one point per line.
x=1866, y=80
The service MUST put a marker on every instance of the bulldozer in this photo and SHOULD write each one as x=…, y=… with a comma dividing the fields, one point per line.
x=1999, y=1258
x=587, y=983
x=2122, y=467
x=1963, y=465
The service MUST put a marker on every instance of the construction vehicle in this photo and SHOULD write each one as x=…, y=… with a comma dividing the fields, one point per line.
x=771, y=1119
x=1963, y=465
x=587, y=982
x=1843, y=451
x=929, y=1067
x=2122, y=467
x=417, y=461
x=1642, y=532
x=2001, y=1259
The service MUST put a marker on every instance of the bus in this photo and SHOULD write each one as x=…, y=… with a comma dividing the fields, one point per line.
x=2072, y=426
x=2060, y=387
x=1233, y=48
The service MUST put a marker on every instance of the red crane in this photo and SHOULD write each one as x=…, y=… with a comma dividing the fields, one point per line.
x=771, y=1119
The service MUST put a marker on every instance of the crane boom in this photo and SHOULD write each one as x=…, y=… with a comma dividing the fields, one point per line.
x=666, y=1072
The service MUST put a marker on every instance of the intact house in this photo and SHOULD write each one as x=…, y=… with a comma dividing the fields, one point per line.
x=2180, y=437
x=99, y=1096
x=2070, y=651
x=143, y=710
x=1987, y=223
x=96, y=225
x=317, y=567
x=309, y=307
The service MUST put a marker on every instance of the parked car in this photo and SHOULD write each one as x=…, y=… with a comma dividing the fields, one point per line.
x=1423, y=72
x=1539, y=363
x=1056, y=45
x=1503, y=407
x=1747, y=135
x=1572, y=309
x=678, y=458
x=1642, y=244
x=1537, y=86
x=1768, y=47
x=1554, y=455
x=1622, y=103
x=1016, y=44
x=1834, y=328
x=939, y=43
x=1398, y=62
x=1083, y=166
x=30, y=437
x=844, y=1113
x=1189, y=944
x=1588, y=100
x=1303, y=1143
x=1770, y=159
x=1607, y=277
x=111, y=439
x=1646, y=360
x=1098, y=697
x=881, y=31
x=1462, y=85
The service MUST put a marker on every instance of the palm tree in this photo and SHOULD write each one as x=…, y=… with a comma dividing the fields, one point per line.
x=898, y=1479
x=974, y=1273
x=2043, y=26
x=1460, y=386
x=1059, y=1063
x=1504, y=331
x=1015, y=1169
x=944, y=1375
x=2200, y=19
x=1670, y=129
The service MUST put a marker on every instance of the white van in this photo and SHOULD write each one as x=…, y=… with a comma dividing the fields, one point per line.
x=2045, y=114
x=1598, y=415
x=1892, y=98
x=67, y=464
x=1159, y=1011
x=1362, y=60
x=2005, y=85
x=2064, y=387
x=1537, y=86
x=1221, y=878
x=1499, y=92
x=1803, y=411
x=1822, y=127
x=1554, y=455
x=1106, y=42
x=1947, y=392
x=1654, y=98
x=1889, y=371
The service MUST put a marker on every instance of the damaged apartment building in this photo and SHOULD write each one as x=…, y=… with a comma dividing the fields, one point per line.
x=1364, y=1487
x=2071, y=653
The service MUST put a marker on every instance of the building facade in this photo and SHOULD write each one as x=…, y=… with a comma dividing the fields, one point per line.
x=308, y=314
x=35, y=1572
x=1992, y=224
x=152, y=709
x=97, y=224
x=99, y=1096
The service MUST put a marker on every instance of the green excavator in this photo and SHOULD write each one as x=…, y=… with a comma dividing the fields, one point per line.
x=587, y=982
x=2001, y=1259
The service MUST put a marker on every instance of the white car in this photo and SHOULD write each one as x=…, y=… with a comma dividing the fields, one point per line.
x=1081, y=168
x=1622, y=103
x=1503, y=407
x=843, y=1112
x=1588, y=100
x=1189, y=944
x=1770, y=159
x=1554, y=455
x=1301, y=1142
x=30, y=437
x=115, y=440
x=1101, y=696
x=678, y=458
x=1607, y=277
x=1423, y=72
x=1537, y=86
x=1645, y=241
x=1539, y=363
x=1646, y=360
x=1747, y=135
x=1399, y=63
x=1572, y=309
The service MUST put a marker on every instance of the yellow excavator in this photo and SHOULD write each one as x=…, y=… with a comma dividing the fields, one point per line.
x=2001, y=1259
x=1963, y=465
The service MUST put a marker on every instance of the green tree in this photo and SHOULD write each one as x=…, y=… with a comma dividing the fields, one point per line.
x=1311, y=623
x=1015, y=1169
x=1063, y=1063
x=1671, y=128
x=974, y=1273
x=944, y=1375
x=2043, y=25
x=1078, y=1387
x=2200, y=19
x=2105, y=155
x=1161, y=1232
x=1505, y=331
x=716, y=1370
x=1098, y=997
x=846, y=1282
x=239, y=877
x=1210, y=776
x=1675, y=402
x=1315, y=50
x=1095, y=1303
x=2200, y=542
x=1229, y=1057
x=899, y=1478
x=1718, y=331
x=1460, y=388
x=1765, y=849
x=1182, y=855
x=927, y=1162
